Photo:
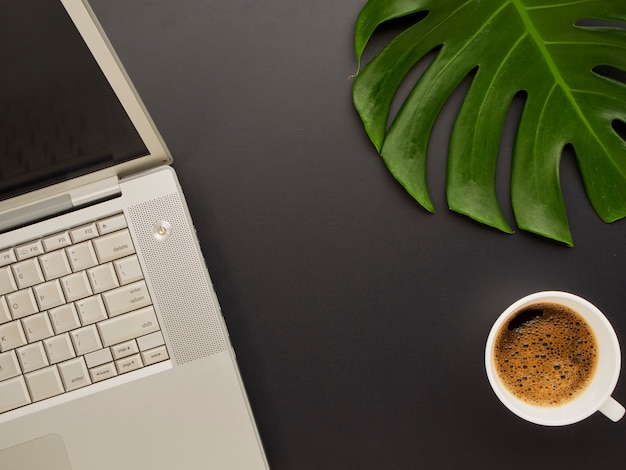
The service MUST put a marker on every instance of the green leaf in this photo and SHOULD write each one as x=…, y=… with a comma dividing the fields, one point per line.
x=548, y=50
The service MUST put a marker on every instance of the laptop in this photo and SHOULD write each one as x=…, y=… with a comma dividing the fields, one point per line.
x=113, y=350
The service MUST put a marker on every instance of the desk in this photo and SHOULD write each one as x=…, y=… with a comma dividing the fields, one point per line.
x=358, y=318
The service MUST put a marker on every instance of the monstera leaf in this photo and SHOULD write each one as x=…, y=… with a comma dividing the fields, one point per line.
x=566, y=56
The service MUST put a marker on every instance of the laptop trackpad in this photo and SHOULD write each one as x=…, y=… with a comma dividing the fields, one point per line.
x=46, y=452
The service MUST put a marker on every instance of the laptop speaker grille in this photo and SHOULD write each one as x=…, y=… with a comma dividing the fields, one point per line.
x=184, y=296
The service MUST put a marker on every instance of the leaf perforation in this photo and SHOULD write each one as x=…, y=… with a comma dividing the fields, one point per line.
x=619, y=127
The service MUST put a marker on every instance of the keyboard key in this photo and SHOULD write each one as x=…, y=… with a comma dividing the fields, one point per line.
x=5, y=313
x=22, y=303
x=86, y=340
x=91, y=310
x=37, y=327
x=29, y=250
x=112, y=224
x=74, y=374
x=152, y=356
x=81, y=256
x=83, y=233
x=127, y=348
x=128, y=270
x=102, y=278
x=9, y=367
x=13, y=394
x=128, y=364
x=114, y=246
x=55, y=264
x=7, y=281
x=64, y=318
x=103, y=372
x=44, y=383
x=32, y=357
x=128, y=326
x=59, y=348
x=49, y=295
x=126, y=298
x=7, y=257
x=99, y=357
x=60, y=240
x=76, y=286
x=27, y=273
x=11, y=336
x=150, y=341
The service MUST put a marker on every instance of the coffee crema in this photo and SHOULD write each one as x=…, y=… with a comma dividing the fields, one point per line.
x=546, y=354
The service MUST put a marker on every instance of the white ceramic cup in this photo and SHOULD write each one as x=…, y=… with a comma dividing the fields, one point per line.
x=596, y=396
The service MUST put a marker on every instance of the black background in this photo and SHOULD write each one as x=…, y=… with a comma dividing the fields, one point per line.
x=358, y=318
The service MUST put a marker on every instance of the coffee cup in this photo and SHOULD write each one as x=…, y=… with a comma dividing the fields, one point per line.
x=553, y=359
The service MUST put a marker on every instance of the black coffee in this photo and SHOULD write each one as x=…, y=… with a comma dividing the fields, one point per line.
x=545, y=354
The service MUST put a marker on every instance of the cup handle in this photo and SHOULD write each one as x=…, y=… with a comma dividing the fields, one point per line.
x=612, y=409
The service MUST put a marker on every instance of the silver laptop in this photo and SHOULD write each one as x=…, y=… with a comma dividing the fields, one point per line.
x=113, y=349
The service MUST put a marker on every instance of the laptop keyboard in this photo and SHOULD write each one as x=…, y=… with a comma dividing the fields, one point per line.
x=74, y=311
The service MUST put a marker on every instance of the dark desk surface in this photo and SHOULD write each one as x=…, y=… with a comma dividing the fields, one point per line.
x=359, y=319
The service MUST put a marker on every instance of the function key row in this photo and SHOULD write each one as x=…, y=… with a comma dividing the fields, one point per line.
x=62, y=240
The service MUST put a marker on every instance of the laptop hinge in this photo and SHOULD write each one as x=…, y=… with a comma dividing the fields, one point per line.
x=107, y=188
x=95, y=192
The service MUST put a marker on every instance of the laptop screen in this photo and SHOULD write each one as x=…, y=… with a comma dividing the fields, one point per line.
x=59, y=117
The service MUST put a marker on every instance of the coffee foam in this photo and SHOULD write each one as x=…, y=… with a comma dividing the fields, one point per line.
x=546, y=354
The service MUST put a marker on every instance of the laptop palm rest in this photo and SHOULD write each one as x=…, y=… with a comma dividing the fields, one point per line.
x=46, y=452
